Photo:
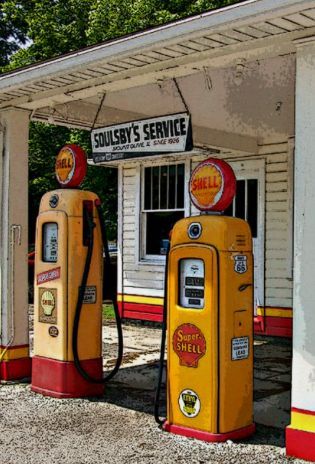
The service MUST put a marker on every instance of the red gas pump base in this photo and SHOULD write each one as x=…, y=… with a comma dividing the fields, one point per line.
x=239, y=434
x=60, y=379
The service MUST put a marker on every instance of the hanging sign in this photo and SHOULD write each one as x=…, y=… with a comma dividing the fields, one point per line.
x=70, y=166
x=164, y=134
x=212, y=185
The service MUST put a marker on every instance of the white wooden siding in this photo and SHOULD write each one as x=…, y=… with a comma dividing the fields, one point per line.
x=278, y=257
x=147, y=278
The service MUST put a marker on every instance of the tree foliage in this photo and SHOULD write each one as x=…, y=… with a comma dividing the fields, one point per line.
x=113, y=18
x=53, y=27
x=13, y=32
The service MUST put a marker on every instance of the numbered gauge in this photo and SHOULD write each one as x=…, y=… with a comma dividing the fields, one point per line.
x=50, y=242
x=192, y=281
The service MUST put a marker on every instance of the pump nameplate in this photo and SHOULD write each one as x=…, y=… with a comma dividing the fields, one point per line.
x=240, y=348
x=240, y=264
x=89, y=296
x=189, y=403
x=189, y=344
x=53, y=331
x=47, y=305
x=47, y=276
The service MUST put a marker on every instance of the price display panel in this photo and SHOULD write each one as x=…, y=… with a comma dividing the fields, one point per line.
x=50, y=242
x=192, y=280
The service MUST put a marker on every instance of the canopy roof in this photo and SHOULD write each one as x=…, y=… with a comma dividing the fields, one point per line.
x=103, y=84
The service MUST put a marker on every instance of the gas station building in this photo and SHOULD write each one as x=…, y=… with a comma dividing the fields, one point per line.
x=245, y=75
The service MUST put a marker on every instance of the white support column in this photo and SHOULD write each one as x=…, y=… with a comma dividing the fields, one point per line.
x=14, y=349
x=120, y=241
x=301, y=432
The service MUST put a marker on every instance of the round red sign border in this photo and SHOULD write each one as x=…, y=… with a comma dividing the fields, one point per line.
x=228, y=187
x=79, y=169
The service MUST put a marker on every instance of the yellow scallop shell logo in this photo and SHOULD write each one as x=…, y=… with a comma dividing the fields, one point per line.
x=65, y=165
x=206, y=185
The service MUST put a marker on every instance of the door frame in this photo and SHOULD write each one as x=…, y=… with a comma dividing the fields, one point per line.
x=249, y=169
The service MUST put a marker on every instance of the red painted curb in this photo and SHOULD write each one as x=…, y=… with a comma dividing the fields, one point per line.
x=268, y=325
x=16, y=369
x=300, y=444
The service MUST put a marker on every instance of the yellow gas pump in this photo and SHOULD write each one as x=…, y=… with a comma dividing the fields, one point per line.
x=67, y=358
x=209, y=302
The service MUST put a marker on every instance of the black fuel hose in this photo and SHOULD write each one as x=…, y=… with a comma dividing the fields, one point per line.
x=162, y=350
x=113, y=295
x=76, y=322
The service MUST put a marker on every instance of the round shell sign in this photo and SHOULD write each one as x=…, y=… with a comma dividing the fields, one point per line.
x=212, y=185
x=70, y=166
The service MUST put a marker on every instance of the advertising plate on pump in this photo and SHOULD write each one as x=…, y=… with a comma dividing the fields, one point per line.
x=189, y=343
x=70, y=166
x=212, y=185
x=47, y=305
x=189, y=403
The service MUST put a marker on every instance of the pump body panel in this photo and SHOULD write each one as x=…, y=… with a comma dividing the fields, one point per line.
x=210, y=335
x=185, y=332
x=61, y=251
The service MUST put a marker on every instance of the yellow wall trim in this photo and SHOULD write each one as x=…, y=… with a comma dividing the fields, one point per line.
x=141, y=299
x=14, y=353
x=274, y=312
x=302, y=421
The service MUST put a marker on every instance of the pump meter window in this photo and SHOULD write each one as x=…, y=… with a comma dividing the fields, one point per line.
x=192, y=283
x=50, y=242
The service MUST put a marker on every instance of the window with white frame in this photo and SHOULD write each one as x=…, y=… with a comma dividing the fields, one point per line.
x=162, y=206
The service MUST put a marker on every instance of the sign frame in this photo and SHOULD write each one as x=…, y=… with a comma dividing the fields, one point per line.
x=142, y=138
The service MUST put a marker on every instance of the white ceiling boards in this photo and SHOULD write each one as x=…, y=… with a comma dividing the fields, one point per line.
x=232, y=69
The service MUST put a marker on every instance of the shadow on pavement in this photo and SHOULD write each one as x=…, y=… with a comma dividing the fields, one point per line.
x=134, y=388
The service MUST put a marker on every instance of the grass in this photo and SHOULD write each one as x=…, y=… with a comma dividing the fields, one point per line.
x=108, y=311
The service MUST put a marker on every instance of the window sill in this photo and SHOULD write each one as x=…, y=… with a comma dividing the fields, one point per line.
x=158, y=261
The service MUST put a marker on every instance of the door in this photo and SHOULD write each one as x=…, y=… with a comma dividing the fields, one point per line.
x=249, y=204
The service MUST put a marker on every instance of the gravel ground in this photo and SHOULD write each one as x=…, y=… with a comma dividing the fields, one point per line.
x=118, y=428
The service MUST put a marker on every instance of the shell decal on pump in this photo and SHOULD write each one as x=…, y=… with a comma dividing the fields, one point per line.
x=47, y=305
x=189, y=344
